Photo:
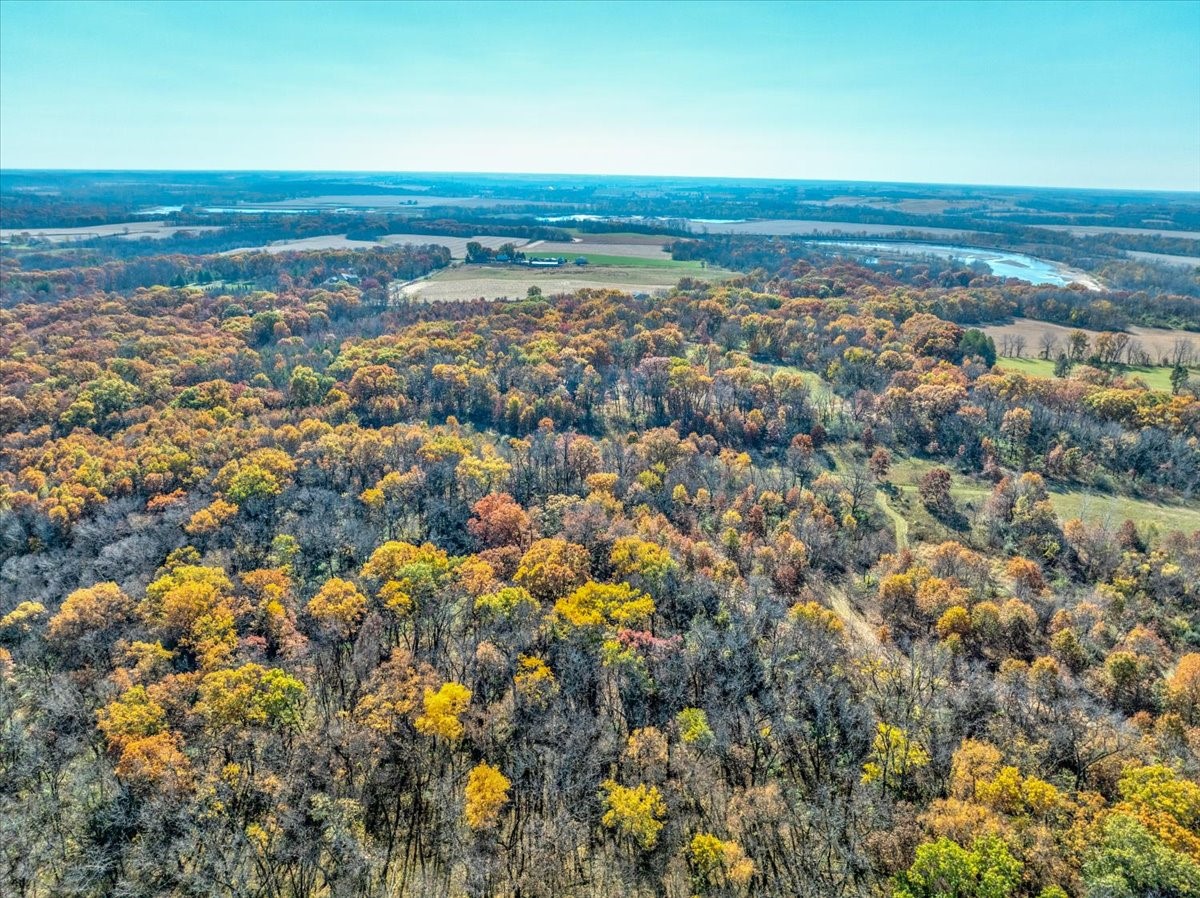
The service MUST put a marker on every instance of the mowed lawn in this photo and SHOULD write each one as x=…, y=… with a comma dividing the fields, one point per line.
x=1090, y=506
x=1156, y=378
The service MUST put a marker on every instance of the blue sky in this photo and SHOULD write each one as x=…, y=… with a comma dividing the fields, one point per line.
x=1056, y=94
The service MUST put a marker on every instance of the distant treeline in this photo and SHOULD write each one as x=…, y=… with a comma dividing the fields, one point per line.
x=374, y=268
x=257, y=230
x=372, y=227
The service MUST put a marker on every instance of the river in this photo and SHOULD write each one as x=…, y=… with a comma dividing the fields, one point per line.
x=1002, y=263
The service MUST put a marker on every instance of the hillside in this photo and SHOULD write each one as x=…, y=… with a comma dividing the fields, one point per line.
x=307, y=590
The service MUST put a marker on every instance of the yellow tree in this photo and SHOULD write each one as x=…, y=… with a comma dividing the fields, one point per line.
x=486, y=795
x=635, y=813
x=1183, y=688
x=88, y=618
x=134, y=715
x=338, y=607
x=250, y=696
x=604, y=604
x=442, y=710
x=552, y=568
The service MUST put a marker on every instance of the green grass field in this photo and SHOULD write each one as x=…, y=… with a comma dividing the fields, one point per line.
x=1068, y=503
x=1156, y=378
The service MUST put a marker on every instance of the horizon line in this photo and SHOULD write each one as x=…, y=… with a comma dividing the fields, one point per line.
x=532, y=174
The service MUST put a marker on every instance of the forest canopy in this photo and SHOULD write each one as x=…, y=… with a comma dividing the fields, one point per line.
x=769, y=586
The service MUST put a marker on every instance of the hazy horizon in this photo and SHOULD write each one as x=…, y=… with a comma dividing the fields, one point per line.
x=723, y=179
x=1055, y=95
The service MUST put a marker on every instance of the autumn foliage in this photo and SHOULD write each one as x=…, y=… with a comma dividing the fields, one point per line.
x=306, y=590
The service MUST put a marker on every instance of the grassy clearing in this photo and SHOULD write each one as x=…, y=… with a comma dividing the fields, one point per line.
x=821, y=389
x=1090, y=506
x=1030, y=367
x=1156, y=378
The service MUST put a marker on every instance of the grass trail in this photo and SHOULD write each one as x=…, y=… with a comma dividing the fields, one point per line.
x=899, y=522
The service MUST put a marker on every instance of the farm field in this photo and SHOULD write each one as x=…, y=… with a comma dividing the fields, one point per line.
x=392, y=202
x=456, y=245
x=1157, y=341
x=1166, y=259
x=626, y=238
x=784, y=227
x=496, y=282
x=930, y=206
x=590, y=248
x=131, y=230
x=1093, y=230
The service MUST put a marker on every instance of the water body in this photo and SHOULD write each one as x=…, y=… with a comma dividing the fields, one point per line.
x=580, y=217
x=1001, y=263
x=245, y=210
x=263, y=210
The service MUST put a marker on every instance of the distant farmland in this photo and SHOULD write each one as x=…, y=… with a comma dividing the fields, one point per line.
x=131, y=230
x=456, y=245
x=1165, y=258
x=1093, y=230
x=391, y=202
x=596, y=248
x=786, y=227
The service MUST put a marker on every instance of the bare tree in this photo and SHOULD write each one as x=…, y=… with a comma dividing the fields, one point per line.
x=1077, y=345
x=1120, y=346
x=1047, y=344
x=1182, y=351
x=1136, y=353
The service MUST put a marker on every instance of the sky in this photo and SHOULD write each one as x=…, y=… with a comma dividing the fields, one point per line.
x=1075, y=94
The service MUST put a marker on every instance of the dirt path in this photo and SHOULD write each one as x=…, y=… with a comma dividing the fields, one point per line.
x=852, y=618
x=859, y=627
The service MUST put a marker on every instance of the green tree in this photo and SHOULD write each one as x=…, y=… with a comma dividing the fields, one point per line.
x=975, y=342
x=1179, y=378
x=1129, y=862
x=250, y=696
x=944, y=869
